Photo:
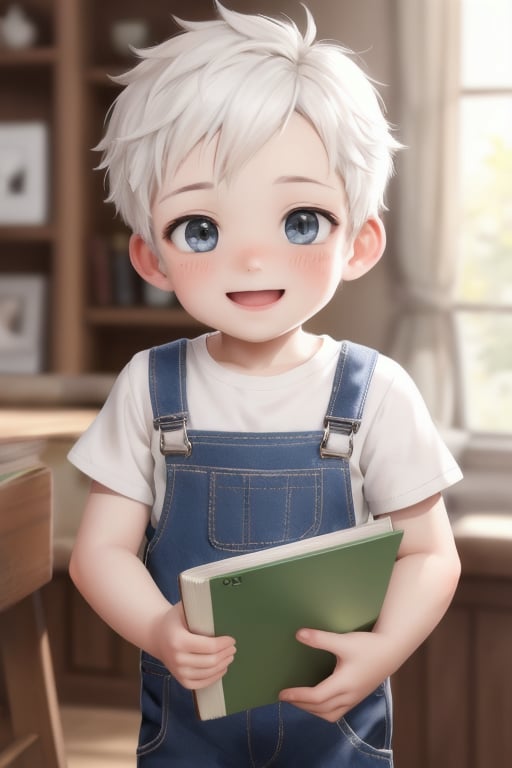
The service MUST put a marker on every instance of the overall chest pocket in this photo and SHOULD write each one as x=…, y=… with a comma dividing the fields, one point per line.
x=249, y=510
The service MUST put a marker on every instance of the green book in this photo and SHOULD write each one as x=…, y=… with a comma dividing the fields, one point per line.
x=336, y=582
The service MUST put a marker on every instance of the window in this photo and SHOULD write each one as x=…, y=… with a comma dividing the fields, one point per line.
x=484, y=285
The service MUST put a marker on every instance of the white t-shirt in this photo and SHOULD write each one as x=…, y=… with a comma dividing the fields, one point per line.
x=398, y=459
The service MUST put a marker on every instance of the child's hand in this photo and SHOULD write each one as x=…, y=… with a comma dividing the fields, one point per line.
x=422, y=584
x=195, y=660
x=363, y=662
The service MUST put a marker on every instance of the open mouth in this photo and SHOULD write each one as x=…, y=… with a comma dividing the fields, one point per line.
x=256, y=299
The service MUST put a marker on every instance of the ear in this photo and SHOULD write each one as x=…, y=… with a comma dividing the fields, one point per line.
x=367, y=249
x=147, y=264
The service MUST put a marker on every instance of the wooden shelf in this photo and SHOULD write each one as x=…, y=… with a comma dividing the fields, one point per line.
x=102, y=75
x=29, y=57
x=28, y=234
x=140, y=316
x=65, y=82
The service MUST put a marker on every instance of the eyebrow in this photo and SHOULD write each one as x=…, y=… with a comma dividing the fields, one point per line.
x=187, y=188
x=300, y=179
x=209, y=185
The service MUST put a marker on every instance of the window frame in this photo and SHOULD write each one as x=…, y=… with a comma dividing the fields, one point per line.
x=482, y=439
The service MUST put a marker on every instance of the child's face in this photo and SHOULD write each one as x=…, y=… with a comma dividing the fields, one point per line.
x=257, y=256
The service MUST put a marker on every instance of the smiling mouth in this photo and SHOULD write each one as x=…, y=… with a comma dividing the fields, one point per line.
x=256, y=299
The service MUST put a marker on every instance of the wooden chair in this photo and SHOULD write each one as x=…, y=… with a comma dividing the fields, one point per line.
x=33, y=728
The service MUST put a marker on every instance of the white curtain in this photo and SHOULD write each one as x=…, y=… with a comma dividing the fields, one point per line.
x=424, y=337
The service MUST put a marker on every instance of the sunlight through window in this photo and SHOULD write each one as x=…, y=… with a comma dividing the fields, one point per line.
x=484, y=293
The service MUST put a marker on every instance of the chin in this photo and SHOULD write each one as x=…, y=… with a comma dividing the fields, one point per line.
x=259, y=336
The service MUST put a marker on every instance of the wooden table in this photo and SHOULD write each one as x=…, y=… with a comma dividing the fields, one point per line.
x=34, y=724
x=44, y=423
x=453, y=697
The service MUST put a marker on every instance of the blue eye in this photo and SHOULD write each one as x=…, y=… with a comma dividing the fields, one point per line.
x=197, y=234
x=303, y=227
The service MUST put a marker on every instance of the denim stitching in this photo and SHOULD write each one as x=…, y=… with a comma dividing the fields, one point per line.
x=150, y=746
x=386, y=692
x=338, y=378
x=248, y=732
x=232, y=546
x=288, y=507
x=349, y=506
x=246, y=511
x=211, y=513
x=153, y=382
x=338, y=381
x=279, y=744
x=272, y=439
x=166, y=508
x=317, y=518
x=359, y=744
x=364, y=394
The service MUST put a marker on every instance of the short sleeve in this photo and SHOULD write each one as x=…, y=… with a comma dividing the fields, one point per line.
x=116, y=449
x=404, y=459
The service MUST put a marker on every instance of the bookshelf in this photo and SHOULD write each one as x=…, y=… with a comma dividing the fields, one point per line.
x=62, y=80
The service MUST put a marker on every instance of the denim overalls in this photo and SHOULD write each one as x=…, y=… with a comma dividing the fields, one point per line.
x=229, y=493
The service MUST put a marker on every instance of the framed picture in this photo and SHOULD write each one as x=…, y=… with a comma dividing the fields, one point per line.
x=23, y=173
x=22, y=323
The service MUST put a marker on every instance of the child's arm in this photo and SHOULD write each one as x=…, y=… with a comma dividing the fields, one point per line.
x=422, y=585
x=107, y=571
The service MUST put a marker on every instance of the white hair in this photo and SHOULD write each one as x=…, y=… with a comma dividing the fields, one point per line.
x=241, y=77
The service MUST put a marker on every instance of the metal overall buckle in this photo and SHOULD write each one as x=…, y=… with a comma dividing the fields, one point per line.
x=334, y=427
x=173, y=435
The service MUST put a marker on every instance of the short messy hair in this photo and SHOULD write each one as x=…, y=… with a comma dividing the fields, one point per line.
x=241, y=77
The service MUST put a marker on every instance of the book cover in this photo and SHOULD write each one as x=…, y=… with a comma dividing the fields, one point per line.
x=336, y=582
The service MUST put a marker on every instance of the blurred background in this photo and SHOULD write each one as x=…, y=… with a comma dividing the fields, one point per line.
x=72, y=312
x=441, y=299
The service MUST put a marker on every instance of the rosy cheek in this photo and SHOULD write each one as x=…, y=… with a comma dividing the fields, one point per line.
x=189, y=272
x=194, y=264
x=315, y=261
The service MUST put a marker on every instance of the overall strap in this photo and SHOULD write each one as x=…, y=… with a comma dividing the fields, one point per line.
x=167, y=388
x=345, y=410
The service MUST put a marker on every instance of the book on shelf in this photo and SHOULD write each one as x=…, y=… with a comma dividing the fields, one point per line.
x=125, y=280
x=114, y=282
x=335, y=582
x=101, y=273
x=19, y=456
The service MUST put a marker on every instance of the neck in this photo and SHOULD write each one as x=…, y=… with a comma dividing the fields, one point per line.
x=264, y=358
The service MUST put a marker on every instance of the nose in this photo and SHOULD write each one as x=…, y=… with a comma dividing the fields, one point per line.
x=249, y=259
